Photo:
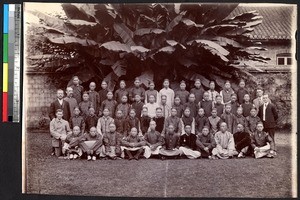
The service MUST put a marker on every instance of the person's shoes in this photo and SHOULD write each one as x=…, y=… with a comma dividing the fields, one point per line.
x=162, y=157
x=75, y=156
x=136, y=157
x=89, y=158
x=130, y=158
x=114, y=158
x=94, y=158
x=71, y=156
x=53, y=154
x=241, y=155
x=270, y=155
x=209, y=157
x=213, y=157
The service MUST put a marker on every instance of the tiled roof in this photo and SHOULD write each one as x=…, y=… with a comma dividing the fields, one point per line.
x=276, y=23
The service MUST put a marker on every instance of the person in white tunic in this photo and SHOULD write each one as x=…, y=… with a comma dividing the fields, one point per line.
x=225, y=143
x=168, y=92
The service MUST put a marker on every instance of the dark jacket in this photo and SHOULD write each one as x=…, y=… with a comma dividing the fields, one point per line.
x=271, y=115
x=56, y=105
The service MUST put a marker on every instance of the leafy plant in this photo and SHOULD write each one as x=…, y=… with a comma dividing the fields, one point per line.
x=157, y=41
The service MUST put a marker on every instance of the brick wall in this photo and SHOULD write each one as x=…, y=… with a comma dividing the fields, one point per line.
x=38, y=96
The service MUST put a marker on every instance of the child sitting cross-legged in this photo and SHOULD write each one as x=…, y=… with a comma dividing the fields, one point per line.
x=205, y=143
x=133, y=145
x=171, y=142
x=92, y=143
x=71, y=146
x=188, y=143
x=153, y=141
x=112, y=143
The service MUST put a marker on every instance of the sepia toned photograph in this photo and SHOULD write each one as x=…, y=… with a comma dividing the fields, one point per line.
x=160, y=100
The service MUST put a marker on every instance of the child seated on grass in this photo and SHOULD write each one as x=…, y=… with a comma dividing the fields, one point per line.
x=153, y=141
x=262, y=143
x=133, y=145
x=225, y=144
x=171, y=142
x=112, y=143
x=188, y=143
x=71, y=146
x=242, y=140
x=59, y=128
x=205, y=143
x=91, y=145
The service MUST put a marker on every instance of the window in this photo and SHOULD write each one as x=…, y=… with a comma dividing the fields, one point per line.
x=284, y=59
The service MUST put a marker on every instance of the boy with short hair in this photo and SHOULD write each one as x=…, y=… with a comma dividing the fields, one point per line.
x=167, y=91
x=171, y=143
x=226, y=93
x=77, y=120
x=228, y=118
x=94, y=96
x=188, y=143
x=120, y=122
x=192, y=105
x=84, y=105
x=212, y=93
x=252, y=120
x=159, y=119
x=247, y=106
x=103, y=93
x=124, y=106
x=183, y=94
x=241, y=91
x=206, y=104
x=137, y=105
x=153, y=141
x=187, y=119
x=71, y=100
x=133, y=145
x=242, y=140
x=91, y=145
x=239, y=119
x=178, y=106
x=214, y=121
x=71, y=146
x=225, y=147
x=262, y=143
x=104, y=121
x=166, y=110
x=112, y=143
x=91, y=120
x=59, y=128
x=200, y=121
x=77, y=89
x=151, y=106
x=205, y=143
x=137, y=90
x=122, y=91
x=132, y=122
x=151, y=91
x=109, y=103
x=197, y=91
x=174, y=120
x=219, y=106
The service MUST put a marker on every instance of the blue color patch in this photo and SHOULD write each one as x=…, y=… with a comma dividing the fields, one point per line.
x=5, y=18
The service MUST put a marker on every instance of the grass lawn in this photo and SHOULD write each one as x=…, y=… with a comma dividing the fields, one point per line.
x=170, y=178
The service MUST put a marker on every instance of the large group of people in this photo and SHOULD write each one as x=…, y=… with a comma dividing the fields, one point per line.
x=134, y=123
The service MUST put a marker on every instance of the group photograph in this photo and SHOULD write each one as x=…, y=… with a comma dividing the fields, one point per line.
x=160, y=100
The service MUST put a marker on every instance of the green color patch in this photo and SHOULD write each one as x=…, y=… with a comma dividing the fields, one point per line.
x=5, y=48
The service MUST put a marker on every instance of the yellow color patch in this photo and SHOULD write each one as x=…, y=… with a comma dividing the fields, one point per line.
x=5, y=77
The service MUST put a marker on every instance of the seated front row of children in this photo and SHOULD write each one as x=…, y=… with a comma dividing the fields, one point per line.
x=74, y=144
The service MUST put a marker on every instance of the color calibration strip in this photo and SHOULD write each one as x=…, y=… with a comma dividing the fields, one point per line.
x=11, y=62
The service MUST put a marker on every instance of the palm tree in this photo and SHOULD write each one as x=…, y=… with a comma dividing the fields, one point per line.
x=151, y=41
